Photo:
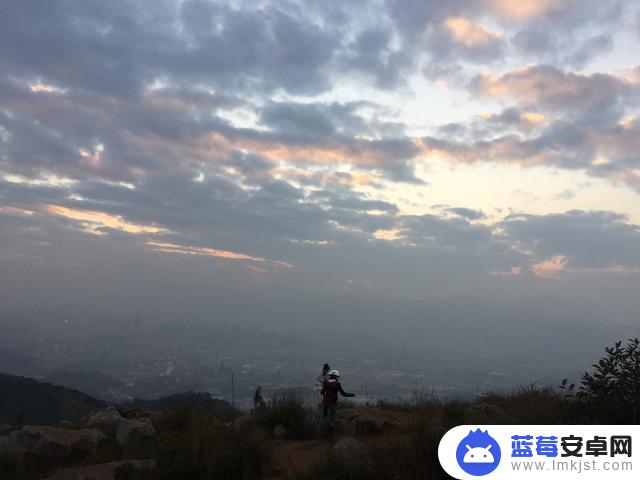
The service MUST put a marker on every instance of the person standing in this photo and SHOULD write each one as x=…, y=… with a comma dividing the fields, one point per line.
x=320, y=381
x=330, y=397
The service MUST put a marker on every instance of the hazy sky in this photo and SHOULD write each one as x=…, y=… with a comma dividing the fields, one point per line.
x=402, y=149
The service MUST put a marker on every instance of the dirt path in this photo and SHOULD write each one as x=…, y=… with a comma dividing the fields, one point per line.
x=292, y=457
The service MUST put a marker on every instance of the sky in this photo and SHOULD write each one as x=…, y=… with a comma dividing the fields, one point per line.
x=171, y=152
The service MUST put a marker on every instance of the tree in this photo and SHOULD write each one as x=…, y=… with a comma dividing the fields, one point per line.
x=612, y=391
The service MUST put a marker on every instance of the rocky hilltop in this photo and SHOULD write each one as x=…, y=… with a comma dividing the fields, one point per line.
x=192, y=436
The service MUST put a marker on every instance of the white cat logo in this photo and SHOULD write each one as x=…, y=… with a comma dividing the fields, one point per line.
x=478, y=455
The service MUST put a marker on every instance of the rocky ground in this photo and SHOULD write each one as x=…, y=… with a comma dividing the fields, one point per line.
x=280, y=440
x=68, y=451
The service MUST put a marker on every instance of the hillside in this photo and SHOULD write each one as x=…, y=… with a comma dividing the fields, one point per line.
x=280, y=440
x=42, y=403
x=93, y=382
x=201, y=401
x=190, y=436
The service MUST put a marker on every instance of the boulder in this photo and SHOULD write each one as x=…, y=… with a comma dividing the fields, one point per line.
x=280, y=432
x=242, y=424
x=349, y=449
x=129, y=430
x=52, y=443
x=24, y=440
x=108, y=419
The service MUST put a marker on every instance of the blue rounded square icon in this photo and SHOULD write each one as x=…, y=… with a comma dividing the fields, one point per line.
x=478, y=453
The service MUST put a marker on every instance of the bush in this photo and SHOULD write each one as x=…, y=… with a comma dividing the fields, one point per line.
x=193, y=444
x=28, y=468
x=536, y=406
x=287, y=409
x=9, y=466
x=413, y=455
x=612, y=392
x=410, y=456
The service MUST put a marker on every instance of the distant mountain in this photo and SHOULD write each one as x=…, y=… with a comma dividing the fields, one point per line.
x=42, y=403
x=92, y=382
x=203, y=401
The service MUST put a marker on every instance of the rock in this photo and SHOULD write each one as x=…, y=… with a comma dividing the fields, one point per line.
x=23, y=440
x=349, y=449
x=366, y=421
x=138, y=413
x=280, y=431
x=5, y=429
x=106, y=471
x=139, y=428
x=108, y=419
x=4, y=445
x=485, y=414
x=53, y=443
x=242, y=424
x=65, y=424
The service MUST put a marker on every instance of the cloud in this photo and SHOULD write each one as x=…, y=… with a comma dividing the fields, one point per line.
x=572, y=34
x=117, y=48
x=177, y=131
x=95, y=222
x=305, y=120
x=122, y=141
x=549, y=88
x=591, y=47
x=456, y=232
x=469, y=34
x=526, y=9
x=551, y=267
x=211, y=252
x=565, y=119
x=602, y=152
x=373, y=54
x=448, y=38
x=467, y=213
x=547, y=44
x=513, y=272
x=576, y=240
x=458, y=38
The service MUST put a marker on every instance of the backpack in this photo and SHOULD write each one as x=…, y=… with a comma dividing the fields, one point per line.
x=331, y=388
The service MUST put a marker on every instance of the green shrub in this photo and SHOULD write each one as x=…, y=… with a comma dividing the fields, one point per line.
x=413, y=455
x=287, y=409
x=611, y=393
x=537, y=406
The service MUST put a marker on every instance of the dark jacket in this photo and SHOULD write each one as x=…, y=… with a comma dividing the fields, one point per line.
x=330, y=391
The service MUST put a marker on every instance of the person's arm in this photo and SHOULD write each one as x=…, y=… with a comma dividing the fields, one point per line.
x=343, y=393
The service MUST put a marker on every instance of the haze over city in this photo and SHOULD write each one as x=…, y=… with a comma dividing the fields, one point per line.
x=439, y=196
